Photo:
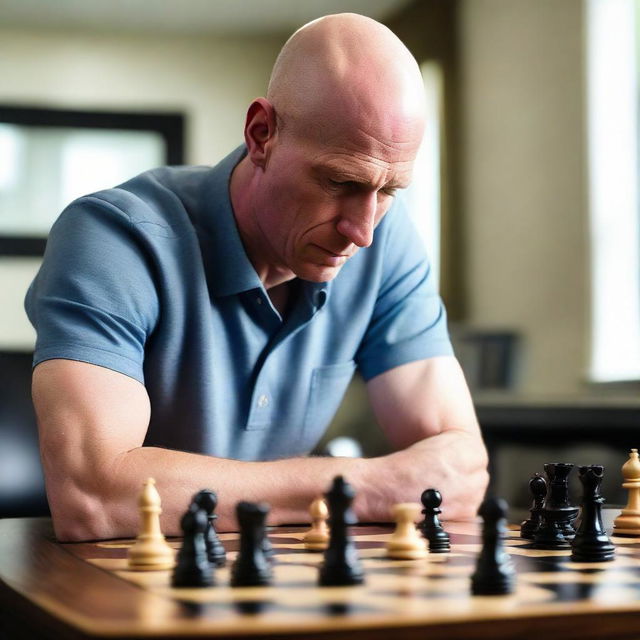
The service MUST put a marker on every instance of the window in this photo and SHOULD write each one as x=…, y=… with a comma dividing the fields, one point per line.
x=50, y=157
x=424, y=194
x=612, y=79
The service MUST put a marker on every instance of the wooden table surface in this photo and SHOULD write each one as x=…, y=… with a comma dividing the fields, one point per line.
x=52, y=590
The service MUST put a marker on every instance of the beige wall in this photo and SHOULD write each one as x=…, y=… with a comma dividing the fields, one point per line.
x=212, y=80
x=524, y=182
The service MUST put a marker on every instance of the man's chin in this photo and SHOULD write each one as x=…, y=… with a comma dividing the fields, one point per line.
x=318, y=272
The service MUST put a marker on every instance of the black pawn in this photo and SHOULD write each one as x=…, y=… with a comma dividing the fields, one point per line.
x=591, y=543
x=538, y=489
x=431, y=528
x=494, y=574
x=193, y=568
x=341, y=564
x=251, y=568
x=208, y=501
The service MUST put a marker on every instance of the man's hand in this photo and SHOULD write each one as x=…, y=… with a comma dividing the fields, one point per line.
x=426, y=411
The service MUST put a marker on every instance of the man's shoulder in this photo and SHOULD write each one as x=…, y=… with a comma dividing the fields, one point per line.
x=161, y=201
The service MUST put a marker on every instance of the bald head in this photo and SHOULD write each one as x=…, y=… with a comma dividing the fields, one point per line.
x=347, y=69
x=327, y=149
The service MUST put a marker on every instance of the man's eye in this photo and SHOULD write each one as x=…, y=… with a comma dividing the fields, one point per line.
x=343, y=184
x=389, y=192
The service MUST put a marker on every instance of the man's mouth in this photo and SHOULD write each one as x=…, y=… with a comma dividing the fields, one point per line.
x=331, y=258
x=333, y=253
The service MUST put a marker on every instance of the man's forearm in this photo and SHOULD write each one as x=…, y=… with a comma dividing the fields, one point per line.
x=449, y=462
x=454, y=462
x=287, y=485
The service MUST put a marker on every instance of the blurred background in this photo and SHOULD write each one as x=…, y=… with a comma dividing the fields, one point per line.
x=525, y=192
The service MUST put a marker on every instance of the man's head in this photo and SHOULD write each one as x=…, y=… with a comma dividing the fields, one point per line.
x=330, y=144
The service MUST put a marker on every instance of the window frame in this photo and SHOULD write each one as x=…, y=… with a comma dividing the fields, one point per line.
x=170, y=126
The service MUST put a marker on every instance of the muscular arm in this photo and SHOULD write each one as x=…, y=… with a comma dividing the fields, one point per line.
x=92, y=423
x=426, y=411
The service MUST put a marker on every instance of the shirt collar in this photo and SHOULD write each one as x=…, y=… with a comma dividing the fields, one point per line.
x=229, y=270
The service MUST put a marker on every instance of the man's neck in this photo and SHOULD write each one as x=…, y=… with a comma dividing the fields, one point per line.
x=281, y=297
x=241, y=196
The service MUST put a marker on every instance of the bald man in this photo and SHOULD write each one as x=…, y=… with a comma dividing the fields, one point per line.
x=200, y=325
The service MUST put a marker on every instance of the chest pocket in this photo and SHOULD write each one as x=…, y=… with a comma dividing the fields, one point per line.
x=328, y=386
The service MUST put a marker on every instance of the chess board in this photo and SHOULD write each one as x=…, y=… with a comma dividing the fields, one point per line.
x=90, y=592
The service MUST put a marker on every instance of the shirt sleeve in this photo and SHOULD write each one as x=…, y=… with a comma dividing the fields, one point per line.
x=94, y=298
x=409, y=321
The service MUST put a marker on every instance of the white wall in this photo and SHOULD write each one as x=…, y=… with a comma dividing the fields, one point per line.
x=211, y=79
x=525, y=182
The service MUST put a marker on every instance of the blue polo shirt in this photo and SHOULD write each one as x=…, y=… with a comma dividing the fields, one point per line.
x=151, y=279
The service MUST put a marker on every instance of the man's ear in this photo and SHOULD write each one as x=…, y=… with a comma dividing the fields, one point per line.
x=259, y=131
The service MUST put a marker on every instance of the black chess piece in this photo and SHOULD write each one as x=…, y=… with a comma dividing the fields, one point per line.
x=251, y=568
x=208, y=501
x=431, y=528
x=494, y=574
x=591, y=543
x=341, y=564
x=267, y=548
x=538, y=489
x=193, y=568
x=555, y=530
x=558, y=496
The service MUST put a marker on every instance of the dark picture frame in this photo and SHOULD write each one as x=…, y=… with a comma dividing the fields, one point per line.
x=170, y=126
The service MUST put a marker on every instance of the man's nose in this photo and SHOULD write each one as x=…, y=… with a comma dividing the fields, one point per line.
x=357, y=219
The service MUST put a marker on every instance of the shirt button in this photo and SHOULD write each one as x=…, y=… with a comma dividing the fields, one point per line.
x=258, y=300
x=263, y=401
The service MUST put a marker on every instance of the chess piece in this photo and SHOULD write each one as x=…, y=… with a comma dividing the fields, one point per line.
x=538, y=489
x=267, y=548
x=628, y=522
x=317, y=538
x=494, y=574
x=251, y=568
x=555, y=530
x=558, y=496
x=591, y=543
x=431, y=528
x=193, y=568
x=406, y=543
x=208, y=501
x=150, y=551
x=341, y=564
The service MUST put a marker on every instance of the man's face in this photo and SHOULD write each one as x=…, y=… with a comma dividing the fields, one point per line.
x=322, y=200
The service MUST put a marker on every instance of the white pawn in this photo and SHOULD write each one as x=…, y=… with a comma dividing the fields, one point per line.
x=628, y=522
x=150, y=551
x=317, y=538
x=406, y=543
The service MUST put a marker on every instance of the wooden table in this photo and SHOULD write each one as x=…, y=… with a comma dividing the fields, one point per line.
x=52, y=590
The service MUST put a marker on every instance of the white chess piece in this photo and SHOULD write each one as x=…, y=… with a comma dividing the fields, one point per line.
x=628, y=522
x=150, y=551
x=406, y=543
x=317, y=538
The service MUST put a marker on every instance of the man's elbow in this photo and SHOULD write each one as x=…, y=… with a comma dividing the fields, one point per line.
x=472, y=480
x=77, y=514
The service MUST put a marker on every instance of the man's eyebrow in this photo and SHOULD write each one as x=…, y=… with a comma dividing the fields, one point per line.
x=347, y=176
